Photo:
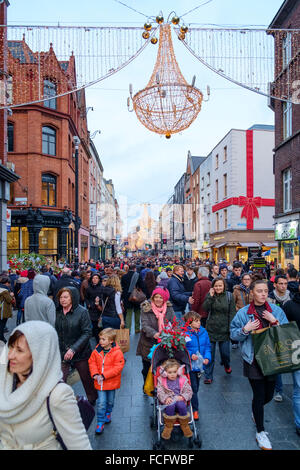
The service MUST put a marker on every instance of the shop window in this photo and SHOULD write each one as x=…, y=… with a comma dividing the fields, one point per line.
x=48, y=190
x=287, y=189
x=48, y=241
x=10, y=137
x=50, y=92
x=17, y=240
x=49, y=140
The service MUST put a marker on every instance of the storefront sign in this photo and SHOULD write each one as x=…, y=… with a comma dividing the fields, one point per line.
x=253, y=251
x=93, y=216
x=8, y=220
x=287, y=230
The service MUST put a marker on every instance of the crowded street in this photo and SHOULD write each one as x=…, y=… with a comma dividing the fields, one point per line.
x=150, y=228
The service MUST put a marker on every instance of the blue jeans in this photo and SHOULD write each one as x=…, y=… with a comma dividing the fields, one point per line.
x=111, y=322
x=195, y=380
x=278, y=384
x=105, y=404
x=296, y=397
x=224, y=348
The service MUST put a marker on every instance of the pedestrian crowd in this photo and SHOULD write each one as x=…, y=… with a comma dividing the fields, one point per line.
x=70, y=321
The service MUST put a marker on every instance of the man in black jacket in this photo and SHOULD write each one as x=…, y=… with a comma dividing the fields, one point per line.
x=128, y=285
x=235, y=278
x=293, y=283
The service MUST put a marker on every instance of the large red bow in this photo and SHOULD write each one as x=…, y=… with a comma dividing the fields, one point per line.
x=250, y=209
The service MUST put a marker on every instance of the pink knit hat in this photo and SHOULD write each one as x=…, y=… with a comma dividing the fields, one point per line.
x=161, y=291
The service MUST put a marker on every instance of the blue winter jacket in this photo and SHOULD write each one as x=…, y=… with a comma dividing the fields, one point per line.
x=178, y=295
x=241, y=319
x=199, y=343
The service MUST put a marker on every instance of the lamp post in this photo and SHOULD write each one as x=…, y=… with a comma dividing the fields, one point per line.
x=76, y=143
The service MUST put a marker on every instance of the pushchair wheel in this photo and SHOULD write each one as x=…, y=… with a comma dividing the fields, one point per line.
x=190, y=444
x=158, y=446
x=198, y=442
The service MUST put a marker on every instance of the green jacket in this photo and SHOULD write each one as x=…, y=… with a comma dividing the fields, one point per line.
x=221, y=312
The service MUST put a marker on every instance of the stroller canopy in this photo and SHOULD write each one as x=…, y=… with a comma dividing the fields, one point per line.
x=161, y=354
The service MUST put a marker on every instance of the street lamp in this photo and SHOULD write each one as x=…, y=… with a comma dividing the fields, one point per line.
x=76, y=141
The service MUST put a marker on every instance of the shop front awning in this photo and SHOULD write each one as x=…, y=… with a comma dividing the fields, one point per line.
x=219, y=245
x=249, y=245
x=270, y=245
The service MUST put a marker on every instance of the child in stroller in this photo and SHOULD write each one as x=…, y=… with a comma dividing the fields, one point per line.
x=174, y=391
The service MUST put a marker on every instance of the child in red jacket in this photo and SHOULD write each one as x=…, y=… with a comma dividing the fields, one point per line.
x=106, y=364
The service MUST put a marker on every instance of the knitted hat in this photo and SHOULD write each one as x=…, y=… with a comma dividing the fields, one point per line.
x=223, y=266
x=31, y=273
x=161, y=291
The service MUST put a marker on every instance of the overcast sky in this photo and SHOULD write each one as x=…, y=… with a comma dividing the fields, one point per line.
x=144, y=166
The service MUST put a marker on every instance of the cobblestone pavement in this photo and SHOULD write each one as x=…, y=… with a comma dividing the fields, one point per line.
x=225, y=421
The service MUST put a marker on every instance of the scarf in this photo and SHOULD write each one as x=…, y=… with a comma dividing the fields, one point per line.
x=252, y=311
x=20, y=405
x=160, y=314
x=245, y=289
x=282, y=298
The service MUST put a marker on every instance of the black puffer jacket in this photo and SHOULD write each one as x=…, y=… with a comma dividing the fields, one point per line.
x=292, y=309
x=74, y=329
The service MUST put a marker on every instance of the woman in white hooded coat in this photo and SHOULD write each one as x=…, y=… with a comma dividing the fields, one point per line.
x=30, y=371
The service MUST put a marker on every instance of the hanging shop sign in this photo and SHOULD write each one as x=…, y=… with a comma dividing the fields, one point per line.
x=287, y=230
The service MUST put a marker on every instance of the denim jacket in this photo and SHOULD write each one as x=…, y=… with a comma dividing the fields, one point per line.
x=241, y=319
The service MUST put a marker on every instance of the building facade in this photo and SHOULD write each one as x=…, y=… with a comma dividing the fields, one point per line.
x=287, y=136
x=242, y=194
x=41, y=147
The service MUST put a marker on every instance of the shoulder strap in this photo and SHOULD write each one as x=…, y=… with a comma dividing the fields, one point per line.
x=56, y=434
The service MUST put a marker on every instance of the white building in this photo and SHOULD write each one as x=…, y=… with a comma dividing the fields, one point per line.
x=237, y=194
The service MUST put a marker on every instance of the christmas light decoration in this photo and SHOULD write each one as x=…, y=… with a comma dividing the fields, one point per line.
x=168, y=104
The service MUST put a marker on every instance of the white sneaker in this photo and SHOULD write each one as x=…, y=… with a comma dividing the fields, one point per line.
x=263, y=440
x=278, y=397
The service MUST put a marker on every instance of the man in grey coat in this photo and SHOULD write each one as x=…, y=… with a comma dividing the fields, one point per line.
x=39, y=306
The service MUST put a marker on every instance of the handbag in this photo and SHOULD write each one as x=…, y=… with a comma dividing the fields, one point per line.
x=149, y=383
x=277, y=349
x=100, y=318
x=123, y=339
x=86, y=411
x=137, y=296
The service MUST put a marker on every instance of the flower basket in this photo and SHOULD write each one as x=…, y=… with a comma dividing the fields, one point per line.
x=172, y=337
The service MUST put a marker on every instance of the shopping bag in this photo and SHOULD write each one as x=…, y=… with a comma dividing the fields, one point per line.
x=277, y=349
x=149, y=383
x=123, y=339
x=137, y=296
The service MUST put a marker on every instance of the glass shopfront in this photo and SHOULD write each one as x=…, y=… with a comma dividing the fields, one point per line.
x=17, y=241
x=48, y=241
x=287, y=235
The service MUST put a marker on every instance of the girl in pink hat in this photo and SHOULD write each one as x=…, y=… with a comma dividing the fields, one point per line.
x=155, y=314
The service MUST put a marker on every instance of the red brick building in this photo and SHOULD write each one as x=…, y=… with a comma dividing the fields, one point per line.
x=287, y=134
x=40, y=144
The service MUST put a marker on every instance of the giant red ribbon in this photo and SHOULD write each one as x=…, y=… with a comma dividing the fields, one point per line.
x=249, y=203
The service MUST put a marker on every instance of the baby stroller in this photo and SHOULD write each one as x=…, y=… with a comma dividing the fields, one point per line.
x=159, y=356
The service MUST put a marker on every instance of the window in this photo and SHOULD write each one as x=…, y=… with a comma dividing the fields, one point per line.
x=202, y=182
x=217, y=222
x=217, y=162
x=48, y=190
x=225, y=154
x=208, y=178
x=225, y=219
x=9, y=90
x=225, y=184
x=217, y=190
x=287, y=190
x=49, y=140
x=286, y=49
x=10, y=137
x=287, y=119
x=49, y=92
